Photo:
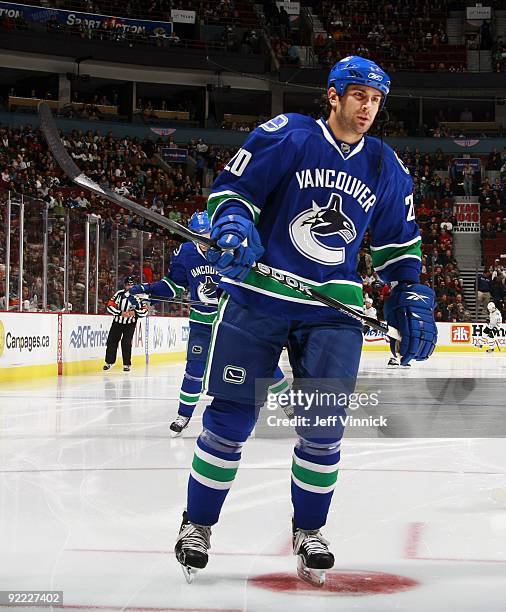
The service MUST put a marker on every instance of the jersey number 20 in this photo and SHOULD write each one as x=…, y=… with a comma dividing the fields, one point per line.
x=411, y=210
x=237, y=165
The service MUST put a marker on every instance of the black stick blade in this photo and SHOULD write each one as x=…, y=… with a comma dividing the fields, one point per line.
x=59, y=152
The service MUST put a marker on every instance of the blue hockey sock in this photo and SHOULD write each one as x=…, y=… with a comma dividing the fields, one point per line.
x=314, y=476
x=191, y=387
x=214, y=467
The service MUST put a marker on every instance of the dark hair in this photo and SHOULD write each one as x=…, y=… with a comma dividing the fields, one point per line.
x=325, y=106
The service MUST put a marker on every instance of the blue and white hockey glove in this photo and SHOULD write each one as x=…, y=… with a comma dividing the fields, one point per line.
x=410, y=309
x=239, y=244
x=132, y=292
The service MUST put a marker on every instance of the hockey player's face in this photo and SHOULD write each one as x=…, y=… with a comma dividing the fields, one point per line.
x=202, y=246
x=356, y=110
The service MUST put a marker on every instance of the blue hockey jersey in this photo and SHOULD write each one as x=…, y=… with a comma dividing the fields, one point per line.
x=189, y=269
x=312, y=198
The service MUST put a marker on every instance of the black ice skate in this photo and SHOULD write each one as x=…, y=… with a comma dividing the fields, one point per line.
x=177, y=426
x=191, y=548
x=313, y=555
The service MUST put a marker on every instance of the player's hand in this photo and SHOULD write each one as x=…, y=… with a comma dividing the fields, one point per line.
x=239, y=246
x=132, y=297
x=410, y=309
x=135, y=290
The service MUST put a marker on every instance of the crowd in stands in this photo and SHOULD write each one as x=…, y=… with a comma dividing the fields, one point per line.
x=127, y=165
x=400, y=35
x=209, y=12
x=499, y=55
x=131, y=167
x=491, y=286
x=433, y=198
x=242, y=125
x=221, y=12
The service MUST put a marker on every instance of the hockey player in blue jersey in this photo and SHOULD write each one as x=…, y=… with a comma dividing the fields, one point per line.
x=299, y=197
x=189, y=269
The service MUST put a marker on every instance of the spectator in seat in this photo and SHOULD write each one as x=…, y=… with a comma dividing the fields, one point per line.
x=293, y=54
x=284, y=22
x=468, y=174
x=494, y=160
x=488, y=232
x=497, y=289
x=442, y=309
x=483, y=286
x=466, y=115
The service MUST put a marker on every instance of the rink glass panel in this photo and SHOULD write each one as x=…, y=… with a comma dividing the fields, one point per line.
x=15, y=203
x=129, y=254
x=73, y=260
x=3, y=247
x=56, y=231
x=33, y=254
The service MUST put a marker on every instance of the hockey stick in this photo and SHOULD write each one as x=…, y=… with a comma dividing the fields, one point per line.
x=144, y=297
x=67, y=164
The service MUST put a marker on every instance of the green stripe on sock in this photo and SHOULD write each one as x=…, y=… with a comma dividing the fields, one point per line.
x=188, y=398
x=279, y=387
x=213, y=472
x=317, y=479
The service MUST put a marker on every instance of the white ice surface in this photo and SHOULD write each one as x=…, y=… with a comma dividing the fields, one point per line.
x=92, y=490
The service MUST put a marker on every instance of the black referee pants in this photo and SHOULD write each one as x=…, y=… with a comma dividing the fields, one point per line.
x=125, y=333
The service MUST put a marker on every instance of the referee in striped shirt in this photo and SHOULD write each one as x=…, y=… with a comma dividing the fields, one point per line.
x=123, y=326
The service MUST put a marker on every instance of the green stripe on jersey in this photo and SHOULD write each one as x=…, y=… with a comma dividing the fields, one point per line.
x=202, y=317
x=316, y=479
x=349, y=293
x=383, y=257
x=176, y=288
x=216, y=200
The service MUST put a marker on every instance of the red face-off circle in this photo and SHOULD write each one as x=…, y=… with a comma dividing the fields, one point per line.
x=342, y=583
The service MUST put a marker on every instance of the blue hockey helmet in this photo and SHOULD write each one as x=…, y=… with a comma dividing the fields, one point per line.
x=358, y=71
x=199, y=222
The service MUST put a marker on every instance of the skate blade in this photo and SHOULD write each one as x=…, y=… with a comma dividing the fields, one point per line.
x=175, y=434
x=315, y=577
x=189, y=573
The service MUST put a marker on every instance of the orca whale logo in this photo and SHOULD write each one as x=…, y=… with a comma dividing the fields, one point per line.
x=323, y=221
x=206, y=291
